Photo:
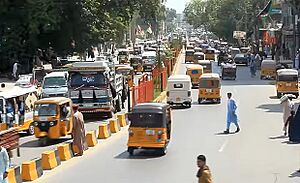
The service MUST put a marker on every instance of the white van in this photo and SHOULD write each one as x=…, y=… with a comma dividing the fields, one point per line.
x=179, y=90
x=55, y=85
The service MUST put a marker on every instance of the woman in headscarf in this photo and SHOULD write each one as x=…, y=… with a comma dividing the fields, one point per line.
x=287, y=106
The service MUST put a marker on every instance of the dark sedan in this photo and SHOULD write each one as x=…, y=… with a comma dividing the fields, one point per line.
x=241, y=59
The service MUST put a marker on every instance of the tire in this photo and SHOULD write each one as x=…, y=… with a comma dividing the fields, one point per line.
x=219, y=101
x=30, y=130
x=278, y=95
x=189, y=105
x=131, y=151
x=199, y=100
x=162, y=151
x=296, y=95
x=261, y=77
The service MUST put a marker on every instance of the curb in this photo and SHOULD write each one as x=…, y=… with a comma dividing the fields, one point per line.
x=163, y=94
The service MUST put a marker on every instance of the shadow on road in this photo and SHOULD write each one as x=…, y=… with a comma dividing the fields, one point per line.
x=273, y=97
x=295, y=174
x=278, y=137
x=139, y=154
x=270, y=107
x=36, y=143
x=290, y=142
x=224, y=134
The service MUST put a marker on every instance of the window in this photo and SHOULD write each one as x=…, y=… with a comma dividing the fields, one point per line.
x=45, y=110
x=288, y=78
x=93, y=79
x=209, y=83
x=54, y=81
x=195, y=72
x=178, y=85
x=148, y=120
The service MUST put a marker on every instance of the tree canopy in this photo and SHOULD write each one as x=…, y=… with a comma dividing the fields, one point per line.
x=222, y=17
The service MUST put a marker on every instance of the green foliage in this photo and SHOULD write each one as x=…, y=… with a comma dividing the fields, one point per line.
x=222, y=17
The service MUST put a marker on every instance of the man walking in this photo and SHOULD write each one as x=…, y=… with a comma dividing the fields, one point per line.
x=231, y=114
x=16, y=70
x=78, y=131
x=203, y=174
x=4, y=165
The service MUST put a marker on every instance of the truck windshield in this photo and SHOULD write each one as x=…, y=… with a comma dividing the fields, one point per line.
x=87, y=79
x=148, y=120
x=54, y=82
x=45, y=110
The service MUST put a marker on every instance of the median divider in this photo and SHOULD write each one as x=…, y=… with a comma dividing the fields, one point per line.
x=122, y=119
x=104, y=131
x=114, y=125
x=65, y=151
x=91, y=139
x=14, y=175
x=50, y=159
x=32, y=170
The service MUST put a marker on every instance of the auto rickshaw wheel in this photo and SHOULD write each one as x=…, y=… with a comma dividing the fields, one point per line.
x=162, y=151
x=189, y=105
x=130, y=151
x=278, y=95
x=30, y=130
x=199, y=100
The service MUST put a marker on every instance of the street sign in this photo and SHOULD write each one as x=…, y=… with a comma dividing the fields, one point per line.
x=239, y=35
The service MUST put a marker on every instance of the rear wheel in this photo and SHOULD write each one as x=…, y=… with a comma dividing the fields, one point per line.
x=162, y=151
x=30, y=130
x=189, y=105
x=199, y=100
x=130, y=151
x=278, y=95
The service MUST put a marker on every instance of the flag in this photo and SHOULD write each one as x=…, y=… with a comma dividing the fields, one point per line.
x=149, y=30
x=266, y=11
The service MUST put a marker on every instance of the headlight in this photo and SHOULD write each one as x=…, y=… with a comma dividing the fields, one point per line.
x=36, y=124
x=51, y=123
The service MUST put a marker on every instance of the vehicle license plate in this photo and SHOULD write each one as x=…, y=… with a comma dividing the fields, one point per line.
x=177, y=99
x=43, y=118
x=288, y=84
x=150, y=132
x=209, y=90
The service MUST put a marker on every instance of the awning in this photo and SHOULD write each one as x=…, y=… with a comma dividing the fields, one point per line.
x=266, y=9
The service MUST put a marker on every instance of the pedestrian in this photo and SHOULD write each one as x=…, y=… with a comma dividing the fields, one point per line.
x=78, y=131
x=203, y=174
x=15, y=71
x=297, y=57
x=252, y=66
x=231, y=114
x=21, y=110
x=287, y=106
x=4, y=165
x=294, y=126
x=288, y=124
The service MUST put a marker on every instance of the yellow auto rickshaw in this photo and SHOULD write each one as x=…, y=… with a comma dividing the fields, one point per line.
x=199, y=56
x=52, y=118
x=209, y=88
x=207, y=65
x=194, y=71
x=127, y=72
x=287, y=82
x=210, y=54
x=189, y=56
x=268, y=69
x=150, y=127
x=137, y=63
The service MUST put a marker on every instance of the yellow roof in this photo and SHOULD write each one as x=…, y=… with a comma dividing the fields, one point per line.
x=53, y=100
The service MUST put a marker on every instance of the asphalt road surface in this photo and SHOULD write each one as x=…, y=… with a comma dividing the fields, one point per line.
x=258, y=154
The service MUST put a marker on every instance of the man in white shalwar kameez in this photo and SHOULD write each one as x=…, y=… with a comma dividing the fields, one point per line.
x=4, y=165
x=287, y=106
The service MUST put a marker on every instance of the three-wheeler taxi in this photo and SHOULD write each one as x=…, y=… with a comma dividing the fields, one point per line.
x=52, y=118
x=150, y=127
x=228, y=71
x=199, y=56
x=268, y=69
x=179, y=91
x=287, y=82
x=209, y=88
x=137, y=63
x=189, y=56
x=194, y=71
x=207, y=65
x=210, y=54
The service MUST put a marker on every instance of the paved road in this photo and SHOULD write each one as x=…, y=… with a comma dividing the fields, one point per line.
x=257, y=154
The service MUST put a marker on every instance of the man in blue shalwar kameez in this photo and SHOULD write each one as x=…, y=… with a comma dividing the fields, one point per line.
x=4, y=165
x=231, y=114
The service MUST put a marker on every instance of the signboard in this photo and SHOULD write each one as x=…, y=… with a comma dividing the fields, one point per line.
x=239, y=35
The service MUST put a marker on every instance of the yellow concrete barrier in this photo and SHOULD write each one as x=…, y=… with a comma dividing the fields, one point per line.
x=65, y=151
x=14, y=175
x=31, y=170
x=114, y=125
x=91, y=139
x=104, y=131
x=122, y=119
x=50, y=160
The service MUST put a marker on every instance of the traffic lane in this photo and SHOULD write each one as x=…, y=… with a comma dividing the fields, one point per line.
x=30, y=147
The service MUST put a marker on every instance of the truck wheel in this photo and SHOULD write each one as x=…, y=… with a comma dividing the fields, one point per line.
x=30, y=130
x=296, y=95
x=130, y=151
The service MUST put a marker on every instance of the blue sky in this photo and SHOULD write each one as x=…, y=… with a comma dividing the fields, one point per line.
x=178, y=5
